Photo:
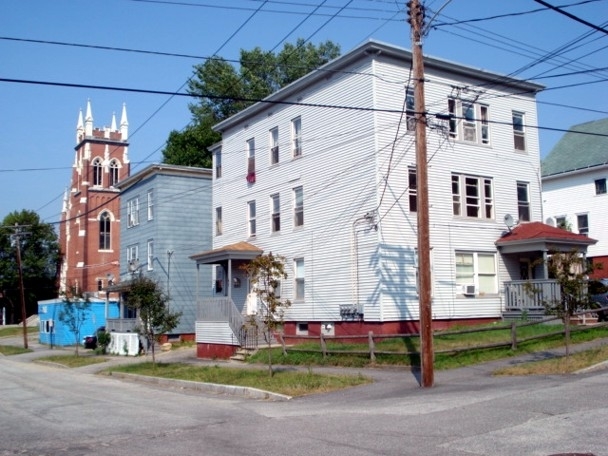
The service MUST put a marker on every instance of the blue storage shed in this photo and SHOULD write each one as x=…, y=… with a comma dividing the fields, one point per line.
x=54, y=332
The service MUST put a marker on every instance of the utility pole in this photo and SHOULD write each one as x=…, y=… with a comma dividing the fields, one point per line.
x=416, y=19
x=17, y=240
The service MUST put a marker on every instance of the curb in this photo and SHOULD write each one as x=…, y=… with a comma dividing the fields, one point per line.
x=230, y=390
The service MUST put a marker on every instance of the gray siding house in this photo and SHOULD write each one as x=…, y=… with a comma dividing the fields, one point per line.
x=166, y=217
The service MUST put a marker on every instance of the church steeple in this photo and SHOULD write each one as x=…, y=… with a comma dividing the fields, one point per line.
x=88, y=120
x=79, y=127
x=124, y=123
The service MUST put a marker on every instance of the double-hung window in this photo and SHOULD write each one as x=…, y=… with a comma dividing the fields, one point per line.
x=132, y=255
x=275, y=203
x=582, y=220
x=274, y=146
x=150, y=204
x=523, y=201
x=251, y=160
x=150, y=254
x=476, y=273
x=296, y=137
x=298, y=206
x=299, y=278
x=412, y=189
x=469, y=121
x=519, y=134
x=410, y=110
x=472, y=196
x=251, y=218
x=133, y=212
x=218, y=163
x=600, y=186
x=219, y=224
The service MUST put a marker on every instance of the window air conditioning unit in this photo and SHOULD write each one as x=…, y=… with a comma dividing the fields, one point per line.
x=469, y=290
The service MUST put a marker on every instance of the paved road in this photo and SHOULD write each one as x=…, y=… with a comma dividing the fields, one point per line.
x=47, y=410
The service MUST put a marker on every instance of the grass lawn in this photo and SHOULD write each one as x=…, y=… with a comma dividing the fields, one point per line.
x=74, y=361
x=17, y=331
x=288, y=382
x=13, y=350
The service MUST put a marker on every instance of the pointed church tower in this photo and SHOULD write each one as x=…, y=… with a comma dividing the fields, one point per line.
x=90, y=228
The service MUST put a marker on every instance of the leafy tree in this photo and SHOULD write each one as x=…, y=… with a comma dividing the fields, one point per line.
x=151, y=303
x=74, y=313
x=223, y=90
x=39, y=261
x=267, y=271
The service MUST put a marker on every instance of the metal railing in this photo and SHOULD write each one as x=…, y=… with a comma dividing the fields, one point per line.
x=531, y=294
x=122, y=324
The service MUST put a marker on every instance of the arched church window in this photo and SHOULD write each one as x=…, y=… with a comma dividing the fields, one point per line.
x=97, y=172
x=105, y=231
x=113, y=172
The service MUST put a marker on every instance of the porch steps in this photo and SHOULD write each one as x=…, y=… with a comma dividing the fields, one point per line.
x=242, y=354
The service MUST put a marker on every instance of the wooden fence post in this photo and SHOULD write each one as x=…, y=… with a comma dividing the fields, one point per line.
x=513, y=336
x=372, y=355
x=323, y=346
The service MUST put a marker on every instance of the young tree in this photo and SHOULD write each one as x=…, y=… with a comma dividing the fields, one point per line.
x=74, y=313
x=266, y=272
x=157, y=319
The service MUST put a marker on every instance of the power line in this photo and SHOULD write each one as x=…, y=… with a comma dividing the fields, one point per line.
x=572, y=16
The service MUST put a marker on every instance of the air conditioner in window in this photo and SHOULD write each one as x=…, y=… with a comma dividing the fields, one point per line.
x=468, y=290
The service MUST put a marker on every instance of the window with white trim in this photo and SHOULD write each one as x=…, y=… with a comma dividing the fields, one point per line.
x=275, y=207
x=469, y=121
x=251, y=218
x=476, y=273
x=519, y=134
x=274, y=145
x=600, y=186
x=133, y=212
x=298, y=206
x=105, y=231
x=472, y=196
x=298, y=265
x=218, y=163
x=582, y=221
x=296, y=137
x=250, y=158
x=523, y=201
x=114, y=168
x=132, y=253
x=219, y=223
x=410, y=110
x=150, y=254
x=150, y=204
x=412, y=189
x=97, y=172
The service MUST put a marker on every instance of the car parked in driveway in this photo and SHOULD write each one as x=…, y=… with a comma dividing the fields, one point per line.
x=90, y=341
x=598, y=293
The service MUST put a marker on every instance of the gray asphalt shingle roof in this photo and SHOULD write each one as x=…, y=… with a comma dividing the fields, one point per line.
x=578, y=151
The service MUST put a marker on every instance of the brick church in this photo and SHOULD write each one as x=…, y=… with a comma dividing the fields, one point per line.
x=90, y=218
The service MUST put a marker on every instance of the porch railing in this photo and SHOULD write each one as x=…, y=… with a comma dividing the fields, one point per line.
x=121, y=324
x=531, y=294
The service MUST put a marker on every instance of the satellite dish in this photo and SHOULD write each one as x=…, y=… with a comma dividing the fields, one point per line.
x=508, y=221
x=550, y=221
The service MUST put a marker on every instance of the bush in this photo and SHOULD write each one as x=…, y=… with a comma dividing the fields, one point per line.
x=103, y=340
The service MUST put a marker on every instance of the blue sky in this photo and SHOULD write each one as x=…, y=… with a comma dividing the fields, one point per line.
x=38, y=122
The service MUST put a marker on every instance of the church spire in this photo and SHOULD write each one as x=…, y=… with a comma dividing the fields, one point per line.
x=124, y=123
x=88, y=120
x=79, y=127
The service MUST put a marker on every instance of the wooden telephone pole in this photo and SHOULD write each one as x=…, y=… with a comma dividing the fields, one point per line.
x=17, y=240
x=416, y=18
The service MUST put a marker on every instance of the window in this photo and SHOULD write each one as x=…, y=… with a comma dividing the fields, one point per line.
x=299, y=278
x=150, y=255
x=298, y=206
x=132, y=212
x=519, y=138
x=150, y=204
x=105, y=227
x=562, y=222
x=113, y=172
x=97, y=172
x=251, y=161
x=296, y=137
x=476, y=273
x=251, y=217
x=275, y=203
x=582, y=221
x=218, y=163
x=274, y=146
x=600, y=186
x=219, y=224
x=478, y=200
x=132, y=255
x=469, y=121
x=413, y=194
x=410, y=110
x=523, y=201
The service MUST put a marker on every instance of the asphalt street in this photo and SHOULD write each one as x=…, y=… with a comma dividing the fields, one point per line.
x=47, y=410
